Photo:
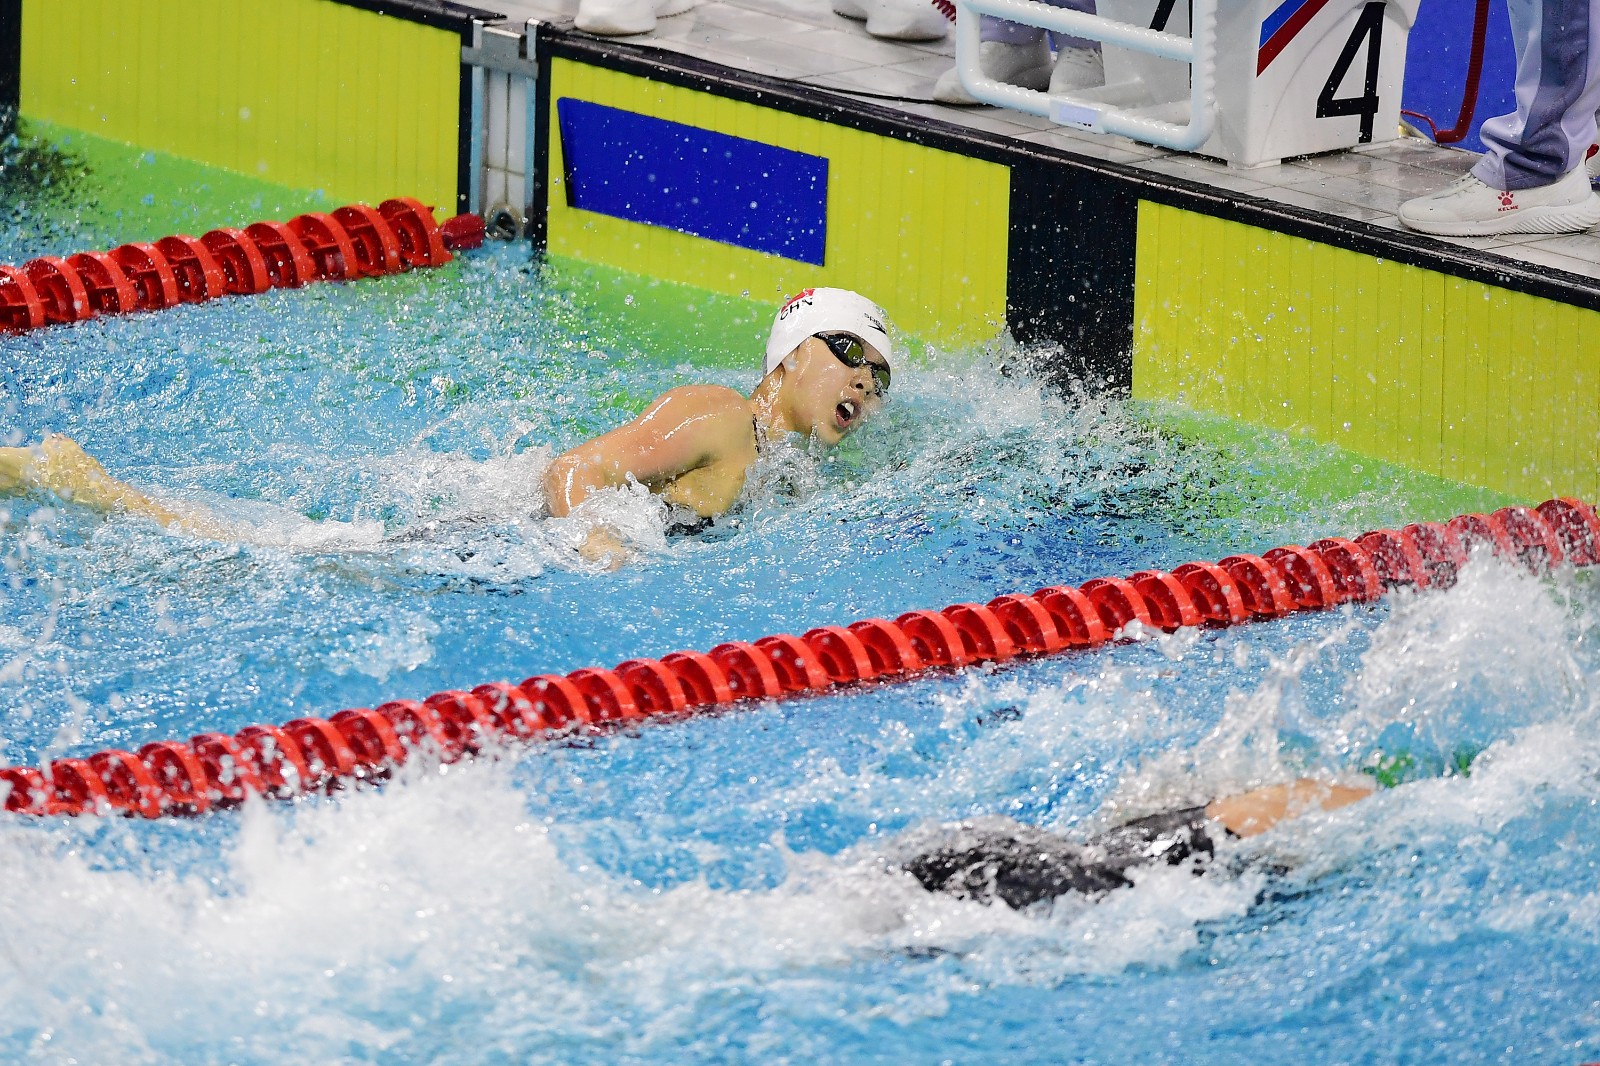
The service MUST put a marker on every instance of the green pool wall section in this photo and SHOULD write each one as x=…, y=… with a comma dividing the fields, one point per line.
x=1474, y=379
x=664, y=318
x=1279, y=470
x=136, y=194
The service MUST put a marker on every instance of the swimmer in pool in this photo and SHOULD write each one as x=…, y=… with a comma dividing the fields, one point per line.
x=1020, y=865
x=825, y=371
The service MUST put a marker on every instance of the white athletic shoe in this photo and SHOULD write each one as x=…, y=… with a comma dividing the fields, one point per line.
x=1469, y=208
x=1591, y=162
x=896, y=20
x=623, y=18
x=1077, y=68
x=1027, y=65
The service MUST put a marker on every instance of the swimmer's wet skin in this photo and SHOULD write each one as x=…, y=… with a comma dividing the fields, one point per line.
x=826, y=370
x=59, y=465
x=1021, y=865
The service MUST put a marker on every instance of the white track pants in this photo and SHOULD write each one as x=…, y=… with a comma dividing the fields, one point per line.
x=1558, y=91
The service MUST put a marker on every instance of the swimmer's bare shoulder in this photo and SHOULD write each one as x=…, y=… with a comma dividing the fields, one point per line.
x=718, y=416
x=719, y=421
x=701, y=401
x=691, y=430
x=692, y=445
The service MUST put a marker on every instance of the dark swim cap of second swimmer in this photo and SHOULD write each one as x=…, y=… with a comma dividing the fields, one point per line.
x=812, y=311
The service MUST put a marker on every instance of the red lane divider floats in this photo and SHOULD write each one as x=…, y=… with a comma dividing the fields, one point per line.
x=215, y=770
x=351, y=242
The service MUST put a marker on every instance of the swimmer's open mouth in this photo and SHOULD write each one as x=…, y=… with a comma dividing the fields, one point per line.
x=846, y=413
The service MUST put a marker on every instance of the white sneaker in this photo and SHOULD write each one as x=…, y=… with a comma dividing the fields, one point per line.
x=1469, y=208
x=1027, y=65
x=896, y=20
x=1077, y=68
x=623, y=18
x=1591, y=162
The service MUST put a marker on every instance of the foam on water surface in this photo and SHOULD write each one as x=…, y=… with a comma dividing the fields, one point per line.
x=522, y=897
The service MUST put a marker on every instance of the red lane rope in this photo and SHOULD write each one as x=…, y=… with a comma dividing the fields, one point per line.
x=353, y=242
x=215, y=770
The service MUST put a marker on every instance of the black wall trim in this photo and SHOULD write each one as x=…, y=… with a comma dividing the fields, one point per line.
x=828, y=106
x=466, y=131
x=442, y=14
x=539, y=209
x=1070, y=271
x=10, y=65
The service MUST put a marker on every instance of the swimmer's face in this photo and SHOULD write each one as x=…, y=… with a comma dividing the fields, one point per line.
x=832, y=398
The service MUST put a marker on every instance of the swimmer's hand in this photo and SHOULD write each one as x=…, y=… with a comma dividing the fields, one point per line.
x=60, y=465
x=603, y=548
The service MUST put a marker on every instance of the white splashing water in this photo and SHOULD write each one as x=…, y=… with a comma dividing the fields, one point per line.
x=388, y=921
x=448, y=918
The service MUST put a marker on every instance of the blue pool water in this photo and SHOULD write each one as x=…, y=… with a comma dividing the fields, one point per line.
x=714, y=889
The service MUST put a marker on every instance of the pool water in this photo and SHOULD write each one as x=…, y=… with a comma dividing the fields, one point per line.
x=716, y=889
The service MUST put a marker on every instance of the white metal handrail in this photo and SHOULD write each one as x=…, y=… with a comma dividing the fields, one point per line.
x=1199, y=51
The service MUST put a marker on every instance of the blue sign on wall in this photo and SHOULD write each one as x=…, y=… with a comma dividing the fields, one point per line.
x=728, y=189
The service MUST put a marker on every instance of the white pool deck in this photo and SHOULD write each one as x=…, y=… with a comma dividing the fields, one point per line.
x=804, y=41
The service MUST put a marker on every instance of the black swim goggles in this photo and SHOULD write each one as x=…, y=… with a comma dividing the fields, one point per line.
x=852, y=352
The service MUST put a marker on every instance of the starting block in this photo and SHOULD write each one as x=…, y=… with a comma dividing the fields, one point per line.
x=1247, y=81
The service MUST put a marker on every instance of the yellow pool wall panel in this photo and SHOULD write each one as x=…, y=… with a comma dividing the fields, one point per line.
x=923, y=231
x=1468, y=381
x=306, y=94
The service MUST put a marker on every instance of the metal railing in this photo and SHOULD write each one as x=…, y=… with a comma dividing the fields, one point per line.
x=1082, y=110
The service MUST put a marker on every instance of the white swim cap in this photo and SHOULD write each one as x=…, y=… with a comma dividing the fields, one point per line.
x=812, y=311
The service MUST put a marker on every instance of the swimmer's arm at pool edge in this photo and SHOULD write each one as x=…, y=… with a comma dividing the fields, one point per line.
x=692, y=428
x=59, y=465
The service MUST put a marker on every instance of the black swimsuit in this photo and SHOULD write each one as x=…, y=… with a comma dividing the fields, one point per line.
x=1021, y=865
x=685, y=523
x=436, y=529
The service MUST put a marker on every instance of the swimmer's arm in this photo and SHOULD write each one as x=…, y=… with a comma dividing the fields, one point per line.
x=1257, y=811
x=60, y=466
x=684, y=430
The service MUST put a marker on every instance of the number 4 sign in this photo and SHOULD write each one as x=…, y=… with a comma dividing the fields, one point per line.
x=1367, y=36
x=1327, y=75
